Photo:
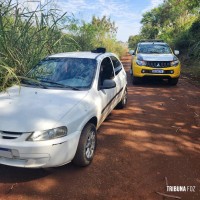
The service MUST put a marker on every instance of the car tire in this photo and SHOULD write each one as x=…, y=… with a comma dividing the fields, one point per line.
x=173, y=81
x=123, y=102
x=86, y=146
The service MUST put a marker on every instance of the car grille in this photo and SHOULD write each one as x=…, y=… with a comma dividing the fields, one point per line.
x=9, y=135
x=158, y=64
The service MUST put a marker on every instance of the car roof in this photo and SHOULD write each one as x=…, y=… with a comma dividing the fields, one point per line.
x=85, y=54
x=153, y=43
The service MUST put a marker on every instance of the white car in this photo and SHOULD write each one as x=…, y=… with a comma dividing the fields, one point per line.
x=52, y=117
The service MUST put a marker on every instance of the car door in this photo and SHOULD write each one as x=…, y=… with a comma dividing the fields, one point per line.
x=107, y=96
x=120, y=78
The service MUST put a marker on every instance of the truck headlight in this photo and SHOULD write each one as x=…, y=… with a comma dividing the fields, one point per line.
x=174, y=63
x=48, y=134
x=141, y=62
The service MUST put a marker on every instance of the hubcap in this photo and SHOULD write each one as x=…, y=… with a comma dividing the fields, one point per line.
x=125, y=98
x=90, y=145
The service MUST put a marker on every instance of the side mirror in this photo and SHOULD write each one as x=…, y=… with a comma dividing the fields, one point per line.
x=108, y=84
x=176, y=52
x=132, y=52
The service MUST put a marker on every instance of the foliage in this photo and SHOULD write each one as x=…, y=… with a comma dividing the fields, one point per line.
x=98, y=32
x=104, y=27
x=112, y=45
x=133, y=40
x=28, y=36
x=175, y=21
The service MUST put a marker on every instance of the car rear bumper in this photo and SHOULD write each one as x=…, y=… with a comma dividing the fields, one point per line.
x=39, y=154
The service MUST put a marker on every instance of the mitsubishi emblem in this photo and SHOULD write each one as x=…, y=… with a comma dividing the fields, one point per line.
x=158, y=65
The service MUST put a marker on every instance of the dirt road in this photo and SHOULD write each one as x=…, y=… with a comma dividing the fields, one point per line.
x=153, y=142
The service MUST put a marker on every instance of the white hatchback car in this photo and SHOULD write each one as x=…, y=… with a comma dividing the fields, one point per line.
x=52, y=118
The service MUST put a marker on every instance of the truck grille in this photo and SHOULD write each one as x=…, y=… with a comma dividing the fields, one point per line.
x=9, y=135
x=158, y=64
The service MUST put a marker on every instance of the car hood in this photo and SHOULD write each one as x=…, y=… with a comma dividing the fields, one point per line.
x=156, y=57
x=26, y=109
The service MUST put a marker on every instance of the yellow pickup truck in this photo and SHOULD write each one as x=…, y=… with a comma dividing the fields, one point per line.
x=154, y=58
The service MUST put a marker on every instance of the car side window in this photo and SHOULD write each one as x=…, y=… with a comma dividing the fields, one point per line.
x=106, y=70
x=117, y=65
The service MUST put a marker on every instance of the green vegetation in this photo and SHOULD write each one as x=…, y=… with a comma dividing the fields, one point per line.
x=178, y=23
x=99, y=32
x=28, y=36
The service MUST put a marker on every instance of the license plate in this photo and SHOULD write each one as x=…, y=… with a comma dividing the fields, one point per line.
x=157, y=71
x=6, y=153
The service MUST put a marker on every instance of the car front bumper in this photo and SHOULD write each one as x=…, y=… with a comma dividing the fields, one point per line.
x=39, y=154
x=143, y=71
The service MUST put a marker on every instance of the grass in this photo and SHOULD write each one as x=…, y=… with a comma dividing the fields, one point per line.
x=28, y=36
x=191, y=69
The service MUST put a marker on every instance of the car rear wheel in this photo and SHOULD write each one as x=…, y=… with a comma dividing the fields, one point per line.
x=86, y=146
x=173, y=81
x=123, y=102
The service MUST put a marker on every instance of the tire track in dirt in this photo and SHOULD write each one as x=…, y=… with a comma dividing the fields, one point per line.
x=155, y=136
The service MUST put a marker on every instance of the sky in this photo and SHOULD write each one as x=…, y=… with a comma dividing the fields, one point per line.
x=126, y=14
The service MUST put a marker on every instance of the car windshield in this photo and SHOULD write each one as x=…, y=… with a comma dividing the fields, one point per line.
x=74, y=73
x=154, y=48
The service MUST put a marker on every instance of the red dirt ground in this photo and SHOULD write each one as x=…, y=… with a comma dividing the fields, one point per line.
x=154, y=139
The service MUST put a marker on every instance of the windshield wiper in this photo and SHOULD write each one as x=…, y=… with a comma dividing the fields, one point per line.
x=32, y=82
x=59, y=84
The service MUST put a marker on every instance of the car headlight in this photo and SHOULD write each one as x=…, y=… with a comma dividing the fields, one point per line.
x=48, y=134
x=141, y=62
x=174, y=62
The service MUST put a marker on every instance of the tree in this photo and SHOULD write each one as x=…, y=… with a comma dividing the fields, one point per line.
x=98, y=32
x=133, y=40
x=176, y=22
x=104, y=26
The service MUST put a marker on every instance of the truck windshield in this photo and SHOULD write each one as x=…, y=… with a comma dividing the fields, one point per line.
x=154, y=48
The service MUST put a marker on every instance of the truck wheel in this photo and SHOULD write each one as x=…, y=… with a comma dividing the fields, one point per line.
x=135, y=80
x=173, y=81
x=86, y=146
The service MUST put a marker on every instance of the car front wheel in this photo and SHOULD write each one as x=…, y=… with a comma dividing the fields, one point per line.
x=86, y=146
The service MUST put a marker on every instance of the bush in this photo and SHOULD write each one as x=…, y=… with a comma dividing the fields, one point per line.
x=26, y=37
